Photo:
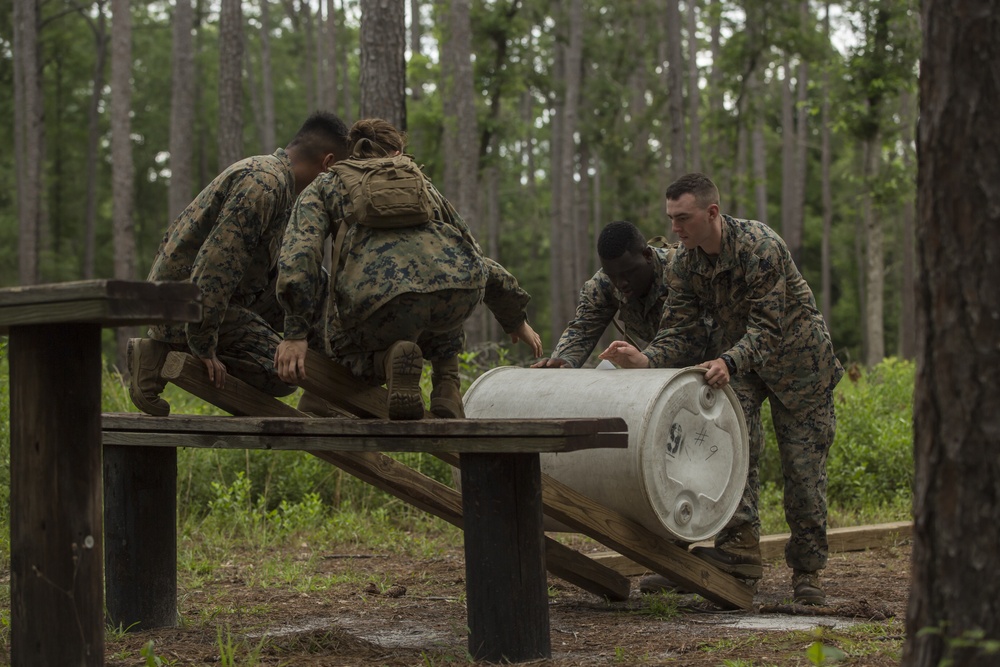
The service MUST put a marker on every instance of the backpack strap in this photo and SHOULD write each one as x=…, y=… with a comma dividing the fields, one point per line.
x=338, y=245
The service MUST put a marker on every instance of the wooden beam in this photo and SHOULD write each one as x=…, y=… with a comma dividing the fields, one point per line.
x=772, y=547
x=104, y=302
x=56, y=564
x=640, y=544
x=405, y=483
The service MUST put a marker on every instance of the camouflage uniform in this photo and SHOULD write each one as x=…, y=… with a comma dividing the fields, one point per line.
x=766, y=320
x=638, y=317
x=412, y=283
x=226, y=242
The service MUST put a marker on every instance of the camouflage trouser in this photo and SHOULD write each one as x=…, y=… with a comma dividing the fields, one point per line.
x=804, y=437
x=433, y=321
x=246, y=347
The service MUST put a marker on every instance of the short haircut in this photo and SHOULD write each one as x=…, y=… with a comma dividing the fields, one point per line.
x=699, y=185
x=375, y=137
x=619, y=237
x=322, y=133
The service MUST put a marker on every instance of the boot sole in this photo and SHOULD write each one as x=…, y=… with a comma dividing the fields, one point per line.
x=445, y=409
x=406, y=363
x=133, y=359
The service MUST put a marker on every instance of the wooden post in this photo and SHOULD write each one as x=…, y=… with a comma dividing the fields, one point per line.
x=504, y=557
x=140, y=536
x=55, y=495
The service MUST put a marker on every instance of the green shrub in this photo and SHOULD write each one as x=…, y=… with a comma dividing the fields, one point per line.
x=871, y=461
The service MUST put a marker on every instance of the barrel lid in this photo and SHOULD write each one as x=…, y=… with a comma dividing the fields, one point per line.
x=694, y=461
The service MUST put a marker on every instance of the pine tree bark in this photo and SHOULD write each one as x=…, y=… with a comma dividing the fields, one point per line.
x=182, y=106
x=230, y=132
x=788, y=158
x=383, y=61
x=954, y=606
x=122, y=169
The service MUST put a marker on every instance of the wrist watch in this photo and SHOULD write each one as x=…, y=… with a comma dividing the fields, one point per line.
x=730, y=364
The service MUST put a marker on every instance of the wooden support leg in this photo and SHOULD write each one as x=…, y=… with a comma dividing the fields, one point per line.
x=140, y=536
x=57, y=585
x=504, y=560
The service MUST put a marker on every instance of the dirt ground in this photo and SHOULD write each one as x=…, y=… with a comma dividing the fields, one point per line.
x=394, y=610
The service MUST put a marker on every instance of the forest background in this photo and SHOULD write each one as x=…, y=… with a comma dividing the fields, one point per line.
x=541, y=120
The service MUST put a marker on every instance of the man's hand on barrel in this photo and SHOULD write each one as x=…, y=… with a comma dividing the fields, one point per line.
x=716, y=373
x=625, y=355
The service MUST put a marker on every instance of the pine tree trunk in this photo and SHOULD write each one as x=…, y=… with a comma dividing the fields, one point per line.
x=416, y=34
x=826, y=290
x=874, y=261
x=693, y=91
x=568, y=155
x=758, y=149
x=788, y=158
x=383, y=63
x=332, y=68
x=675, y=89
x=182, y=107
x=954, y=604
x=907, y=318
x=29, y=136
x=99, y=26
x=230, y=130
x=268, y=136
x=122, y=169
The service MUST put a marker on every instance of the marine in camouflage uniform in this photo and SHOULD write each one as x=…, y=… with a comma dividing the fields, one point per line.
x=776, y=345
x=602, y=303
x=416, y=284
x=227, y=242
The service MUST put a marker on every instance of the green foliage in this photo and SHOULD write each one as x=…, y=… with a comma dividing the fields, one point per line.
x=665, y=605
x=871, y=462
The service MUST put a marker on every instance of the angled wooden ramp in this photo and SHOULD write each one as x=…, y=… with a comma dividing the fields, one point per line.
x=379, y=470
x=612, y=529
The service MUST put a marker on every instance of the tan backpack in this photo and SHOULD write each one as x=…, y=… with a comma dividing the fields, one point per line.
x=385, y=193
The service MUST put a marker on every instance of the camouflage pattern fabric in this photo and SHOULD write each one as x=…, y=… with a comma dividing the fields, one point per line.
x=226, y=242
x=640, y=317
x=766, y=319
x=378, y=265
x=433, y=321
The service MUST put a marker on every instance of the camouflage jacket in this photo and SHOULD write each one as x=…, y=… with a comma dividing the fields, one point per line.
x=226, y=241
x=765, y=316
x=600, y=301
x=376, y=265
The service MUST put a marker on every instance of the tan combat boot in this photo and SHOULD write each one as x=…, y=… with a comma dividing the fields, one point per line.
x=402, y=364
x=144, y=358
x=446, y=392
x=807, y=589
x=737, y=553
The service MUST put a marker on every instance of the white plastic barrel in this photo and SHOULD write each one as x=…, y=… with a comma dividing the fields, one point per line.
x=685, y=467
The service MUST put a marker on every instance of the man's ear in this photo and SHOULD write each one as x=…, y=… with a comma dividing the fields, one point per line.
x=328, y=160
x=647, y=253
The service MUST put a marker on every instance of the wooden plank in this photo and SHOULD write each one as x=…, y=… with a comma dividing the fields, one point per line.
x=772, y=547
x=503, y=554
x=406, y=484
x=140, y=537
x=355, y=443
x=109, y=303
x=82, y=290
x=485, y=429
x=57, y=581
x=628, y=537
